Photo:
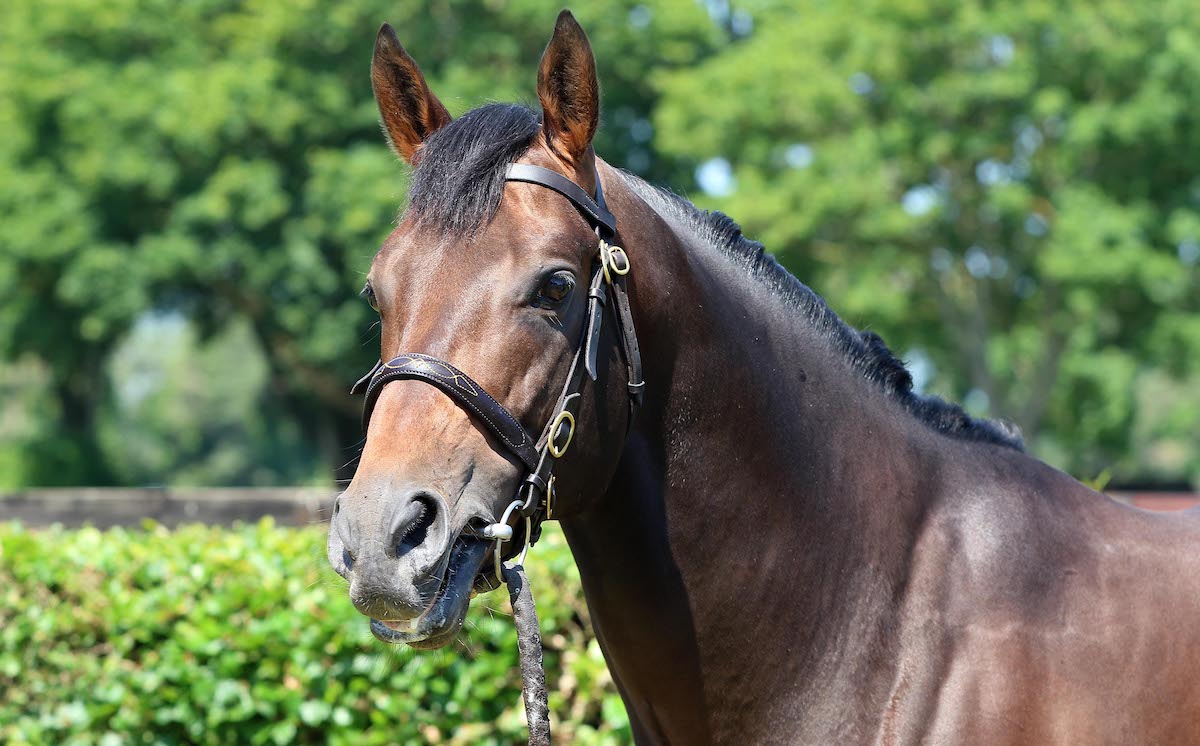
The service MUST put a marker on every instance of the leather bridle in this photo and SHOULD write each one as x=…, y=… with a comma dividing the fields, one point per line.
x=534, y=500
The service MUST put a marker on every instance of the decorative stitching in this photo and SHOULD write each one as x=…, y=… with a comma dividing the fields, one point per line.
x=459, y=374
x=416, y=365
x=425, y=363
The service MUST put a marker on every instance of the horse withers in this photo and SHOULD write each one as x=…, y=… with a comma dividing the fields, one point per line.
x=778, y=540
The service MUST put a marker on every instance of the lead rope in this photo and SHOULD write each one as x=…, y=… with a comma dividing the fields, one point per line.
x=529, y=650
x=525, y=622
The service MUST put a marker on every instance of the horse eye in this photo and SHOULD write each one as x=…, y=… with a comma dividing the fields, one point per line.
x=368, y=292
x=555, y=290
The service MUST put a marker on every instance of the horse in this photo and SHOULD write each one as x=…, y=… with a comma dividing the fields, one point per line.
x=779, y=541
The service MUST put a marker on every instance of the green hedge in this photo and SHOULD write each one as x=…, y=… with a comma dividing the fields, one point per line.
x=244, y=635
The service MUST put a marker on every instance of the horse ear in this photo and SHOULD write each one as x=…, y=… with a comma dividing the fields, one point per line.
x=568, y=90
x=409, y=109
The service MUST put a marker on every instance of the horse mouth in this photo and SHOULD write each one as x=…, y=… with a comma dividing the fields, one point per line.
x=440, y=622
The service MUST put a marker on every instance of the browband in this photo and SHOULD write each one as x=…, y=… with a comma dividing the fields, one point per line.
x=594, y=210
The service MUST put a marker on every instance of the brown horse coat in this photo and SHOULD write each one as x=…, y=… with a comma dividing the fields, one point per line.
x=789, y=546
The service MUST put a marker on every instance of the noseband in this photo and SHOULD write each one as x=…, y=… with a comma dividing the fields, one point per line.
x=534, y=500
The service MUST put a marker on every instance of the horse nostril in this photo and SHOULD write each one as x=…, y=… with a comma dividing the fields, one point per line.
x=412, y=523
x=347, y=560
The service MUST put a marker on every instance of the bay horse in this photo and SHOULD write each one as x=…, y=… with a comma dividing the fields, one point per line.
x=786, y=544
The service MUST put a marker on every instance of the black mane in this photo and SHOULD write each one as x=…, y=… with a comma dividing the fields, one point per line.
x=458, y=182
x=865, y=350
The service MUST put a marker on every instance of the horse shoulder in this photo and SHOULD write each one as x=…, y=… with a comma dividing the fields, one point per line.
x=1037, y=604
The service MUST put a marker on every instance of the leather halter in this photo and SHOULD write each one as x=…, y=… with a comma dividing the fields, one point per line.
x=535, y=496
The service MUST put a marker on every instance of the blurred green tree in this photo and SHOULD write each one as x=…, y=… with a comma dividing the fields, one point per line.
x=1008, y=192
x=222, y=161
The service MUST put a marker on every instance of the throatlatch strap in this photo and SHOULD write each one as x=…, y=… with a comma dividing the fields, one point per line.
x=629, y=344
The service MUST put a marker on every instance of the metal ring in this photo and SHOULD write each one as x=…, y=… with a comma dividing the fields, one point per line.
x=604, y=261
x=500, y=541
x=528, y=533
x=563, y=416
x=614, y=251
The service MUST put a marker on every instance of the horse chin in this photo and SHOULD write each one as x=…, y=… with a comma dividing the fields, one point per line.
x=439, y=623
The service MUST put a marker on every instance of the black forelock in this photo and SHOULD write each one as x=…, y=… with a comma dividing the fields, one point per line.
x=459, y=175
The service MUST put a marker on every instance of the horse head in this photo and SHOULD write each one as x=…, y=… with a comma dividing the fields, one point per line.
x=483, y=291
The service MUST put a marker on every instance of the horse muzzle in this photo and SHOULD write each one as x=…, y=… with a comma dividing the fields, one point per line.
x=440, y=622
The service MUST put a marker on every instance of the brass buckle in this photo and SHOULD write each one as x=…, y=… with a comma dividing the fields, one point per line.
x=563, y=416
x=609, y=261
x=550, y=498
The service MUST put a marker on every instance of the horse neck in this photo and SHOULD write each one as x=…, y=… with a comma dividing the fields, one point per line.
x=750, y=504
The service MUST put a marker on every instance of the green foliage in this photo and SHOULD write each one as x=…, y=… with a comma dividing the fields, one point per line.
x=162, y=377
x=1007, y=191
x=210, y=635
